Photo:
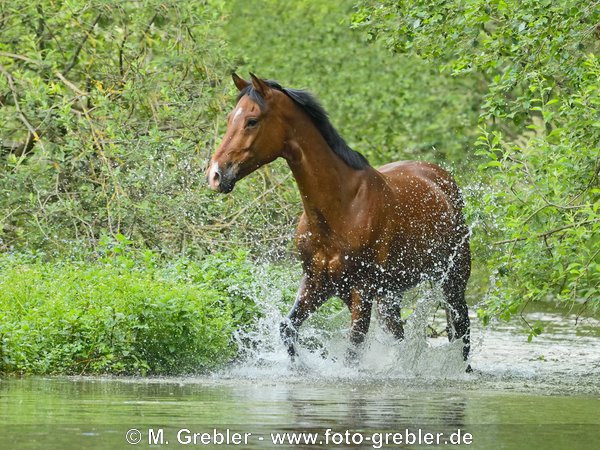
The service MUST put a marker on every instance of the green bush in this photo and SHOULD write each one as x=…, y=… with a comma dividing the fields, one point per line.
x=122, y=315
x=109, y=112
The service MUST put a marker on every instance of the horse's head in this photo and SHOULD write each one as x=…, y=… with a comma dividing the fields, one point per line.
x=255, y=136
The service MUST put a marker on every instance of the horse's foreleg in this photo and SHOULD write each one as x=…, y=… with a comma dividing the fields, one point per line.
x=309, y=298
x=360, y=310
x=391, y=313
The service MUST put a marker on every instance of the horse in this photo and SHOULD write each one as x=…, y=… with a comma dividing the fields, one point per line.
x=366, y=235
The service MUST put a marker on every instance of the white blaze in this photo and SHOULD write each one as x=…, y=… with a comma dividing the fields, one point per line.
x=238, y=112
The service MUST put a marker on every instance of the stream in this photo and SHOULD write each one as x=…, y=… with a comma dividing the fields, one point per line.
x=543, y=394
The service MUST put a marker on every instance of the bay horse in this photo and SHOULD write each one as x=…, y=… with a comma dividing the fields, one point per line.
x=366, y=235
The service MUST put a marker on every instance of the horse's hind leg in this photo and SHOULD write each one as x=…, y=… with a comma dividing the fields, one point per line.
x=309, y=298
x=454, y=286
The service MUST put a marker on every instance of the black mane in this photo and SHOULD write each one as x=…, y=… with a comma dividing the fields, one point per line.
x=319, y=116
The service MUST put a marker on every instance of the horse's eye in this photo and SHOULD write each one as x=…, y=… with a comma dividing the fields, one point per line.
x=251, y=123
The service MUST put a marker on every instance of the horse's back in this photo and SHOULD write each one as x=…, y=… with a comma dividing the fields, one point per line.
x=398, y=172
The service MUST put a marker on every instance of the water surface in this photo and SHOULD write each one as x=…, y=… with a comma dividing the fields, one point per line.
x=539, y=395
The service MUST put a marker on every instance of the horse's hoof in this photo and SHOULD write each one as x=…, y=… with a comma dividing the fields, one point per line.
x=352, y=358
x=297, y=365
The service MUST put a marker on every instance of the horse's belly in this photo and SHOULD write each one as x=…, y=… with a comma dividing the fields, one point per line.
x=406, y=263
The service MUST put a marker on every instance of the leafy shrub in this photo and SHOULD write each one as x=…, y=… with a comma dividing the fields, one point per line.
x=122, y=315
x=109, y=112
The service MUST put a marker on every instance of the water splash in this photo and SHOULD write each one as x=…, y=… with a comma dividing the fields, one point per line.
x=566, y=358
x=323, y=343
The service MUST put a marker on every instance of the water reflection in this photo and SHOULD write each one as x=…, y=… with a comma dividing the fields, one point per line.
x=101, y=411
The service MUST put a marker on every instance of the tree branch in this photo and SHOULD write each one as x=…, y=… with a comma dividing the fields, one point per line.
x=548, y=233
x=22, y=117
x=21, y=57
x=80, y=46
x=70, y=85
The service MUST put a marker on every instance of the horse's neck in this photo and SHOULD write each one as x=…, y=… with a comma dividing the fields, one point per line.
x=327, y=184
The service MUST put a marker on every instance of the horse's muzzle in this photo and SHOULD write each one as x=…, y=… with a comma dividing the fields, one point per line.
x=221, y=180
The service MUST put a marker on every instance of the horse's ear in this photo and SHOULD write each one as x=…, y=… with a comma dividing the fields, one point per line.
x=240, y=83
x=263, y=88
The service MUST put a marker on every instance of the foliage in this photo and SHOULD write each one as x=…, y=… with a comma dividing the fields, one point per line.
x=539, y=131
x=109, y=112
x=100, y=138
x=125, y=314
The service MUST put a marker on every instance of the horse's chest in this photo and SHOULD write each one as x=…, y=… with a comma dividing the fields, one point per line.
x=336, y=262
x=323, y=259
